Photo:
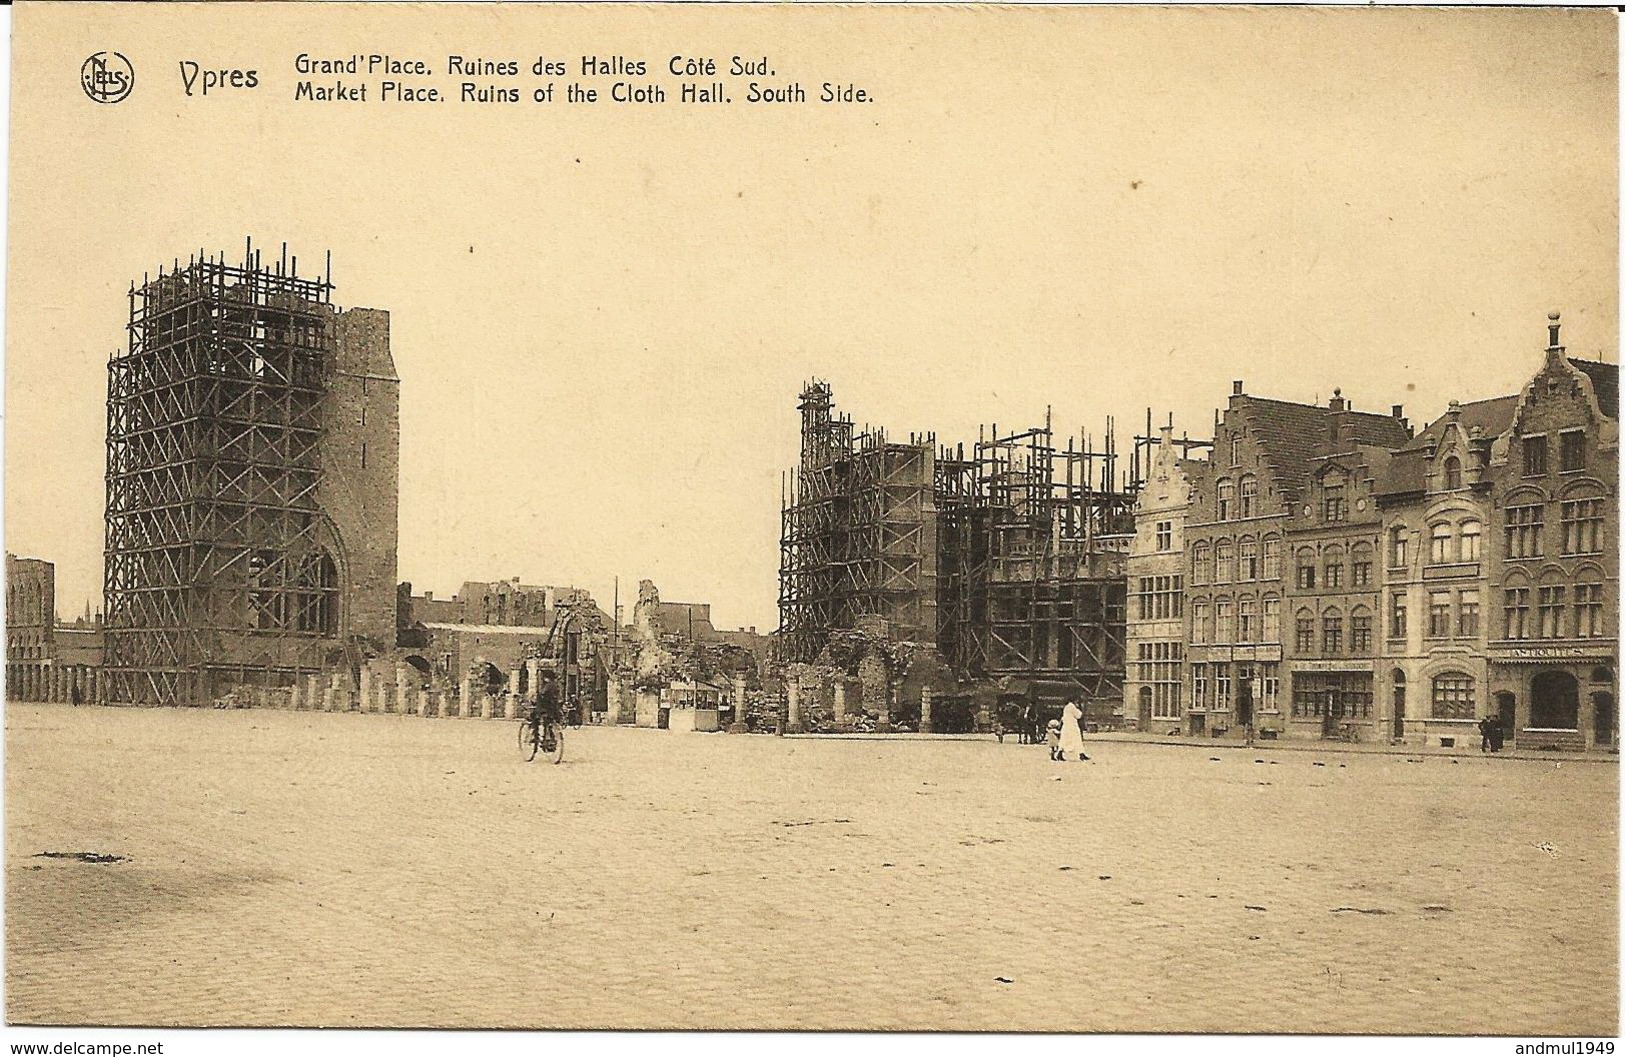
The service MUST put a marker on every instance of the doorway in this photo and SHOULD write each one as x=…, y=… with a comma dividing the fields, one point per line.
x=1506, y=710
x=1602, y=718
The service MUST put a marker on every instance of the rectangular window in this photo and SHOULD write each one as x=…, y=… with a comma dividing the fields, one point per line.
x=1331, y=633
x=1305, y=639
x=1551, y=612
x=1159, y=668
x=1306, y=577
x=1582, y=526
x=1361, y=570
x=1515, y=611
x=1334, y=574
x=1269, y=686
x=1440, y=554
x=1360, y=634
x=1396, y=617
x=1199, y=622
x=1144, y=597
x=1524, y=525
x=1397, y=558
x=1247, y=620
x=1467, y=615
x=1588, y=611
x=1534, y=456
x=1199, y=686
x=1469, y=542
x=1248, y=552
x=1453, y=697
x=1438, y=614
x=1225, y=624
x=1272, y=620
x=1165, y=535
x=1221, y=687
x=1333, y=506
x=1571, y=450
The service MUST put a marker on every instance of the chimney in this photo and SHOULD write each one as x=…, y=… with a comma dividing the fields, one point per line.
x=1235, y=387
x=1554, y=321
x=1398, y=411
x=1337, y=402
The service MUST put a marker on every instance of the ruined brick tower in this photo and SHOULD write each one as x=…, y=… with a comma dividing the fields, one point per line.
x=252, y=476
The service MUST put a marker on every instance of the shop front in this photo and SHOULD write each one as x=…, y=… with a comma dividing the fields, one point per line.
x=1333, y=699
x=1556, y=696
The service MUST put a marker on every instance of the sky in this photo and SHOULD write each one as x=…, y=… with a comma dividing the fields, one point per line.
x=601, y=316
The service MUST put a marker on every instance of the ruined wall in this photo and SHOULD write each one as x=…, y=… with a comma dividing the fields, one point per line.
x=360, y=489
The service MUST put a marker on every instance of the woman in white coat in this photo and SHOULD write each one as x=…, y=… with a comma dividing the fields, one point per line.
x=1072, y=732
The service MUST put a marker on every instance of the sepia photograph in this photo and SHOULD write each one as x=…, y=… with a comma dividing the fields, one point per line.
x=812, y=518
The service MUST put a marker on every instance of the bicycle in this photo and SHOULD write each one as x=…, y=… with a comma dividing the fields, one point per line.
x=546, y=737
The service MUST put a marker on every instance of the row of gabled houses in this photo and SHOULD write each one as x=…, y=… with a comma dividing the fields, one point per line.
x=1327, y=572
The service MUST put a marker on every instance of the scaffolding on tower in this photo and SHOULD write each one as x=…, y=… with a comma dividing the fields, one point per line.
x=217, y=567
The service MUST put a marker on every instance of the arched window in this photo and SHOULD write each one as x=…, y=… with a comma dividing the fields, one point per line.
x=1223, y=562
x=1247, y=560
x=1305, y=568
x=1360, y=565
x=1360, y=631
x=1398, y=558
x=1452, y=473
x=1249, y=495
x=1272, y=558
x=1470, y=532
x=1331, y=631
x=1227, y=499
x=1454, y=696
x=1201, y=565
x=1554, y=701
x=1304, y=640
x=1440, y=554
x=1333, y=560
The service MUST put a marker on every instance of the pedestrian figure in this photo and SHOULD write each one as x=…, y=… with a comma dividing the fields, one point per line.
x=1497, y=734
x=1055, y=739
x=1071, y=732
x=1484, y=729
x=75, y=695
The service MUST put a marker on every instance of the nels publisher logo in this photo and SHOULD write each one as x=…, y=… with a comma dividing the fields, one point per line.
x=107, y=77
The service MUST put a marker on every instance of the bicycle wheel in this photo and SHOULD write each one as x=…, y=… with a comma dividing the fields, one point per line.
x=558, y=744
x=527, y=742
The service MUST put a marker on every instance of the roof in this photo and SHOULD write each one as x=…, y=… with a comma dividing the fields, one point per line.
x=1293, y=435
x=487, y=629
x=1604, y=382
x=1489, y=417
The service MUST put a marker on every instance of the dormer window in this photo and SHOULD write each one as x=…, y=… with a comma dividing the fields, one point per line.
x=1452, y=473
x=1334, y=506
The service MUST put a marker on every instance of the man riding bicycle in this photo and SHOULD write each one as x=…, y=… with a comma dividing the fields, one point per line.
x=545, y=708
